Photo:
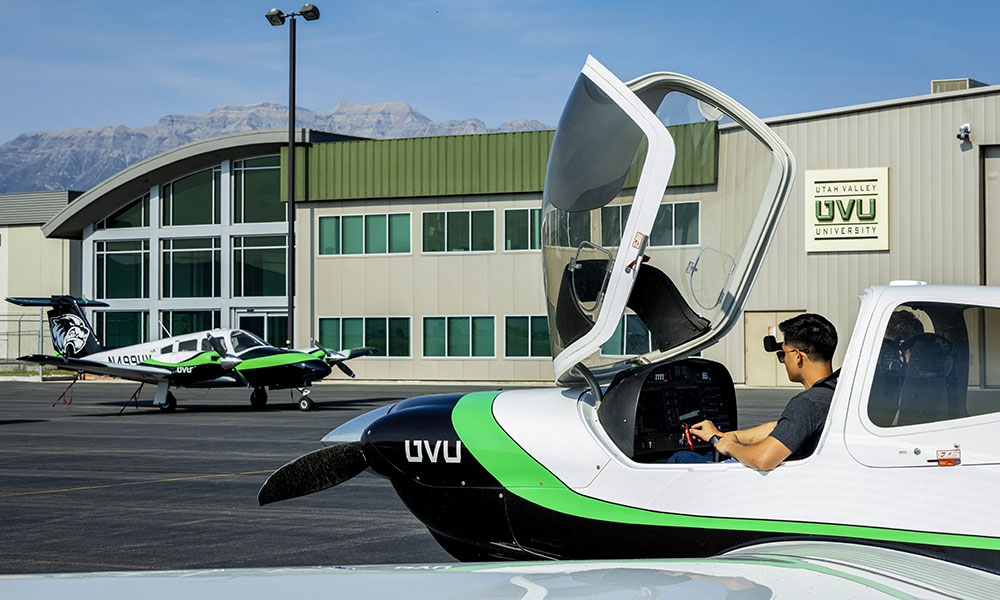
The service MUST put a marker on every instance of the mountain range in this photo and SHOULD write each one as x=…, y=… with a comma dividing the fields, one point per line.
x=78, y=159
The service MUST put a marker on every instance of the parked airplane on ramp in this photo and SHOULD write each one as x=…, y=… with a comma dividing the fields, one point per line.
x=213, y=358
x=907, y=455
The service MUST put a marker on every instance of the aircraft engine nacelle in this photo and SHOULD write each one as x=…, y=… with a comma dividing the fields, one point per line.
x=416, y=447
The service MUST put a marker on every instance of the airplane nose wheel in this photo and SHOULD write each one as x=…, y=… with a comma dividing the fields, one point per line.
x=305, y=402
x=258, y=398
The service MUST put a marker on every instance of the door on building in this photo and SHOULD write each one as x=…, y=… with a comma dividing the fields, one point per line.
x=271, y=327
x=989, y=346
x=762, y=367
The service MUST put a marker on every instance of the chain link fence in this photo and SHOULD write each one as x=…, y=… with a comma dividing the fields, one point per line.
x=20, y=334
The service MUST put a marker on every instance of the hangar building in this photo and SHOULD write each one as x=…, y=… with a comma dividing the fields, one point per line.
x=429, y=248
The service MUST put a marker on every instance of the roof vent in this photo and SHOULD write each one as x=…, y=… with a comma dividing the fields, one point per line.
x=939, y=86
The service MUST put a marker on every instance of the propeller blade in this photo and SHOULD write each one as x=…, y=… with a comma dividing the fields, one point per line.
x=313, y=472
x=347, y=370
x=218, y=346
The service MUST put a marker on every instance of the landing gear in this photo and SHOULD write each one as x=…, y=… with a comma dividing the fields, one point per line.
x=258, y=398
x=305, y=402
x=170, y=404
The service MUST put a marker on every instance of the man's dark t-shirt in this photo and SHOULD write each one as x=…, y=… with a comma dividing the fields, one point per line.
x=801, y=423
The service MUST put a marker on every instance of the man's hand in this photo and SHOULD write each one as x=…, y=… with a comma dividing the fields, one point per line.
x=705, y=430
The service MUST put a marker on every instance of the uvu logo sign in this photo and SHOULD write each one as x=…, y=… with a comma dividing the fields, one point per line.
x=847, y=210
x=416, y=450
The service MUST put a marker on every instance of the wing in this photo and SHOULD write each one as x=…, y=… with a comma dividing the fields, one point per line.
x=131, y=372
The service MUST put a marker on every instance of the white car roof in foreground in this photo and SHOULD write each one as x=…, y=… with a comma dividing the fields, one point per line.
x=778, y=570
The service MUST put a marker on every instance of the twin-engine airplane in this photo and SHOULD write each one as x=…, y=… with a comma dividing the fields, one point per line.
x=213, y=358
x=908, y=458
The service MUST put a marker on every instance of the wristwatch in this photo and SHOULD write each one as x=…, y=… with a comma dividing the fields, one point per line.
x=712, y=440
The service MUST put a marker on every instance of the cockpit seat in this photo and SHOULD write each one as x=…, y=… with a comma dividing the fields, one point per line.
x=659, y=304
x=927, y=381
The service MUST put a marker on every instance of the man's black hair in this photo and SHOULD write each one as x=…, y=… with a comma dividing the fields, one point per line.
x=903, y=325
x=811, y=333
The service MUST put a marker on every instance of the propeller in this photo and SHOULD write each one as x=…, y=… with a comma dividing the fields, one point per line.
x=226, y=360
x=313, y=472
x=336, y=359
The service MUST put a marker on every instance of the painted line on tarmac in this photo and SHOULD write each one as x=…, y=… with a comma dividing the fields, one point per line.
x=113, y=485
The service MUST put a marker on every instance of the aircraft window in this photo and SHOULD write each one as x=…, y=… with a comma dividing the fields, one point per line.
x=167, y=349
x=187, y=345
x=244, y=341
x=937, y=362
x=205, y=345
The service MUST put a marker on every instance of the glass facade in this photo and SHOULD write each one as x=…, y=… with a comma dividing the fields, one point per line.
x=630, y=338
x=257, y=191
x=259, y=265
x=179, y=322
x=135, y=214
x=191, y=268
x=121, y=269
x=192, y=200
x=116, y=329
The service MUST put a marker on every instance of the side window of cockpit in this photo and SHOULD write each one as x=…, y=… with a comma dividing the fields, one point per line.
x=935, y=363
x=187, y=345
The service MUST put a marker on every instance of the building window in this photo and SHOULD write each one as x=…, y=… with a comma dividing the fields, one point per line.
x=458, y=231
x=391, y=335
x=257, y=191
x=364, y=234
x=522, y=228
x=135, y=214
x=630, y=338
x=180, y=322
x=570, y=229
x=527, y=337
x=121, y=269
x=676, y=224
x=459, y=336
x=117, y=329
x=192, y=200
x=192, y=267
x=259, y=265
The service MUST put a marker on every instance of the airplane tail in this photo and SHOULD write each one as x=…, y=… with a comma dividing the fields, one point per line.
x=72, y=335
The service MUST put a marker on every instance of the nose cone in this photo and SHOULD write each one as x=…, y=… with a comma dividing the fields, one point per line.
x=316, y=369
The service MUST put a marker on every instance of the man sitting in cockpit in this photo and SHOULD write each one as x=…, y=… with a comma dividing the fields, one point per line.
x=807, y=352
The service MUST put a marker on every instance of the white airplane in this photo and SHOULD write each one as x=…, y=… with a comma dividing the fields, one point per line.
x=908, y=458
x=213, y=358
x=760, y=572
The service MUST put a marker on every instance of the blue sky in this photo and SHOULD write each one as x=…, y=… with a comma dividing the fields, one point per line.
x=88, y=63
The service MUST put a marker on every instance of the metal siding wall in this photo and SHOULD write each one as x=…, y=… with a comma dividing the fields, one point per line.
x=33, y=208
x=934, y=195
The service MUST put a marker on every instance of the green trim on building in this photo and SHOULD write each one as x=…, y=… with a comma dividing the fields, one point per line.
x=494, y=163
x=523, y=476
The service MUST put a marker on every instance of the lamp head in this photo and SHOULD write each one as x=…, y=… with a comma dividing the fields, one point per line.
x=275, y=17
x=309, y=12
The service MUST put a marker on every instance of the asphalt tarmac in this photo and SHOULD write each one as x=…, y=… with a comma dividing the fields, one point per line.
x=84, y=488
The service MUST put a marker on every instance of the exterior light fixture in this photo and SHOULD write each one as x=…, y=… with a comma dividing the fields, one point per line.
x=276, y=17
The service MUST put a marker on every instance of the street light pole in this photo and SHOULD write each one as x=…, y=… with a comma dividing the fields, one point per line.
x=276, y=17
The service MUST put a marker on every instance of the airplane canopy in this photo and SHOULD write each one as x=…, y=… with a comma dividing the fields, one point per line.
x=635, y=272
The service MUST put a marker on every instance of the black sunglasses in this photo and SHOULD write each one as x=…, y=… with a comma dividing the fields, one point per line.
x=781, y=354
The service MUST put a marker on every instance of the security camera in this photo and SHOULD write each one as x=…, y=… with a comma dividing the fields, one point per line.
x=964, y=132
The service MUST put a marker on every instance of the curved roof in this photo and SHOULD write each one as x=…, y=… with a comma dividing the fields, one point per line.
x=134, y=181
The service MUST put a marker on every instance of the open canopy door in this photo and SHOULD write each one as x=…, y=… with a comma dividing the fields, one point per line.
x=636, y=271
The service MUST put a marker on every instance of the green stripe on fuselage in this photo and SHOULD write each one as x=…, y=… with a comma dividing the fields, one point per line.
x=524, y=477
x=203, y=358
